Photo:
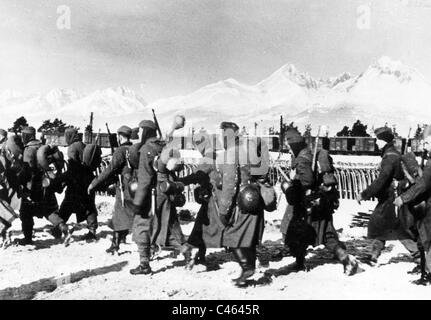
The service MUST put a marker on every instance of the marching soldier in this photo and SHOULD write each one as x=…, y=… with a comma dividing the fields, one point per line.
x=37, y=200
x=142, y=201
x=242, y=203
x=416, y=201
x=166, y=226
x=208, y=227
x=384, y=223
x=121, y=172
x=310, y=222
x=77, y=178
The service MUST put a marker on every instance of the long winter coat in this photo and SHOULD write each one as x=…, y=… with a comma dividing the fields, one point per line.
x=417, y=201
x=147, y=179
x=166, y=226
x=208, y=228
x=304, y=178
x=383, y=224
x=122, y=218
x=245, y=229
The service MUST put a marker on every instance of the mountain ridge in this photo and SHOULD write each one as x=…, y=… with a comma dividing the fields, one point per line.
x=387, y=88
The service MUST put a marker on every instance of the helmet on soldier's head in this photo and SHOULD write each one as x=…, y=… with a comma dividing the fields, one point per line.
x=28, y=134
x=384, y=133
x=125, y=131
x=249, y=199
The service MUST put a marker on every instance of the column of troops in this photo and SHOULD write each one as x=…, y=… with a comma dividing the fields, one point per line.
x=232, y=187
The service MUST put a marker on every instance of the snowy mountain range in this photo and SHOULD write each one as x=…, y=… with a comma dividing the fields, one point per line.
x=387, y=91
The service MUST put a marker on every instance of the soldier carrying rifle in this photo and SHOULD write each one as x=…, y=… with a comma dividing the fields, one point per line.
x=120, y=172
x=312, y=199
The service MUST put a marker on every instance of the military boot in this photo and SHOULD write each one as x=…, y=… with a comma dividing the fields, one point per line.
x=244, y=257
x=144, y=257
x=143, y=268
x=198, y=259
x=186, y=251
x=350, y=264
x=115, y=244
x=90, y=236
x=122, y=235
x=424, y=280
x=376, y=249
x=416, y=270
x=27, y=230
x=56, y=232
x=67, y=235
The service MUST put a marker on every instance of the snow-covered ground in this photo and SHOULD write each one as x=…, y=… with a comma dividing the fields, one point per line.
x=48, y=270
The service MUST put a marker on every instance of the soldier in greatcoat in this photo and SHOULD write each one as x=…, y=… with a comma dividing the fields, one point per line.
x=120, y=172
x=384, y=223
x=77, y=178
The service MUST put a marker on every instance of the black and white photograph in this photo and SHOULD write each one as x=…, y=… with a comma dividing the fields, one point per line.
x=215, y=150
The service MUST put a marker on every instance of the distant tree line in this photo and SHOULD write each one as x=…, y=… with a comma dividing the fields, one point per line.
x=57, y=126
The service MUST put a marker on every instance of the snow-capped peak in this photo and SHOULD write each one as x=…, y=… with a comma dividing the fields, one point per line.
x=289, y=73
x=386, y=65
x=60, y=97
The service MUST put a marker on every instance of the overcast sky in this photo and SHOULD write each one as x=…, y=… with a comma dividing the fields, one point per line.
x=169, y=47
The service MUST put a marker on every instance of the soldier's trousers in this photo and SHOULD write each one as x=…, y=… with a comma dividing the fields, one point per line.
x=141, y=235
x=91, y=218
x=29, y=210
x=246, y=257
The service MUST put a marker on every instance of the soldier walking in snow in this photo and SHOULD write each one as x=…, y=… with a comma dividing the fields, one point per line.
x=77, y=178
x=120, y=172
x=384, y=223
x=142, y=203
x=37, y=199
x=312, y=199
x=166, y=226
x=415, y=202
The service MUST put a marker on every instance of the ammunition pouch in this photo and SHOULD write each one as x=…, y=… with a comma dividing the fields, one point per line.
x=171, y=187
x=179, y=199
x=202, y=194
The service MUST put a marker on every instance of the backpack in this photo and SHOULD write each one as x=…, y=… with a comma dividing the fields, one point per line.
x=410, y=166
x=47, y=155
x=325, y=168
x=92, y=156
